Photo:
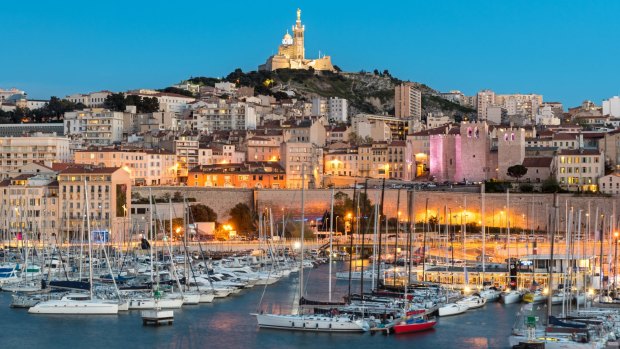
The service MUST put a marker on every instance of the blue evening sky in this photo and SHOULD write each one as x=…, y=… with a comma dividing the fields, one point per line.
x=567, y=50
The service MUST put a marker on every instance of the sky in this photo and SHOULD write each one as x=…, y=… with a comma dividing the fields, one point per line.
x=566, y=50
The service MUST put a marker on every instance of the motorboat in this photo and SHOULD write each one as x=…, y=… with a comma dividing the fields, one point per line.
x=535, y=297
x=452, y=309
x=473, y=301
x=510, y=297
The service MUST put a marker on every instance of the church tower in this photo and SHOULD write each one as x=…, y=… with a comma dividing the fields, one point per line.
x=298, y=38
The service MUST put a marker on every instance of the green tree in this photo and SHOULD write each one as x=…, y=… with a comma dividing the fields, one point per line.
x=202, y=213
x=242, y=218
x=550, y=185
x=517, y=171
x=115, y=102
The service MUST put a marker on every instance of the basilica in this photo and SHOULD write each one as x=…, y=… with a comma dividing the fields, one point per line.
x=291, y=54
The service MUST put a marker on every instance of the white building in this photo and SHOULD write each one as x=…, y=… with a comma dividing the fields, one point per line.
x=609, y=184
x=224, y=116
x=579, y=169
x=98, y=127
x=546, y=116
x=91, y=100
x=320, y=106
x=170, y=102
x=484, y=99
x=16, y=152
x=338, y=109
x=611, y=106
x=5, y=94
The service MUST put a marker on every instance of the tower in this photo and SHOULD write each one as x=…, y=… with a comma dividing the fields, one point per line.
x=298, y=35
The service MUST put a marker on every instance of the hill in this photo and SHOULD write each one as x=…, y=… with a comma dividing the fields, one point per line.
x=367, y=92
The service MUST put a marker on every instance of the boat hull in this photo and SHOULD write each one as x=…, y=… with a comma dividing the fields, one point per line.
x=74, y=308
x=415, y=327
x=311, y=323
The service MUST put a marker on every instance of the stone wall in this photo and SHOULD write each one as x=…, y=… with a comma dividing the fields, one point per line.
x=523, y=210
x=221, y=200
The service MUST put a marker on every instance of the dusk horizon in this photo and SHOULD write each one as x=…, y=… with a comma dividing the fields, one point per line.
x=524, y=47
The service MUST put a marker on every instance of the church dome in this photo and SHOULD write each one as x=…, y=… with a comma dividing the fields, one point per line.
x=288, y=39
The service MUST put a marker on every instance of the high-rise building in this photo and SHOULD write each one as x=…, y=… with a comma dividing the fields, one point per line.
x=484, y=99
x=611, y=107
x=16, y=152
x=407, y=101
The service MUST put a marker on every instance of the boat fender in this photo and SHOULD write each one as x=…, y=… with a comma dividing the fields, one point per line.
x=317, y=325
x=292, y=324
x=330, y=326
x=304, y=325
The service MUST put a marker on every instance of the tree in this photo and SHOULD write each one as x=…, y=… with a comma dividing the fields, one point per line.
x=242, y=218
x=202, y=213
x=344, y=205
x=353, y=138
x=550, y=185
x=517, y=171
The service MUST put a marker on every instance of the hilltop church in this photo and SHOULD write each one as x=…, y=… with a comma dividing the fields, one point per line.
x=291, y=54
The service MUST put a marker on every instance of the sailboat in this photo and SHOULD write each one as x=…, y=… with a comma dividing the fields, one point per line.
x=312, y=322
x=79, y=303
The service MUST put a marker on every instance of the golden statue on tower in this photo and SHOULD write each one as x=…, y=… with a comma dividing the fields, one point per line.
x=291, y=53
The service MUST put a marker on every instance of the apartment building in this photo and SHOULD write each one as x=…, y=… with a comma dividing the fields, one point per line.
x=579, y=169
x=16, y=152
x=255, y=174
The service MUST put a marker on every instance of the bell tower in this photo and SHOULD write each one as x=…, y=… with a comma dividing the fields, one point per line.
x=298, y=38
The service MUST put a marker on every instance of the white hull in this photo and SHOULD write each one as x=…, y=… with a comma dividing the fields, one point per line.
x=311, y=323
x=452, y=309
x=149, y=303
x=71, y=307
x=473, y=302
x=510, y=297
x=206, y=297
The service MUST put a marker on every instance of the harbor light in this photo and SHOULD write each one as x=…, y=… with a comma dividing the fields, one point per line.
x=297, y=245
x=466, y=289
x=545, y=290
x=591, y=292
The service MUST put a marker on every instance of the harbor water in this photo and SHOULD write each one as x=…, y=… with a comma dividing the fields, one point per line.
x=227, y=323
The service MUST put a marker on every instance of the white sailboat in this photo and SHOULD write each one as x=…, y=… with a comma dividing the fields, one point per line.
x=303, y=322
x=79, y=303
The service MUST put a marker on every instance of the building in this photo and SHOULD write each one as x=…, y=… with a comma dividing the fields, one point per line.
x=611, y=106
x=609, y=184
x=539, y=169
x=484, y=99
x=90, y=100
x=246, y=175
x=399, y=128
x=16, y=152
x=102, y=192
x=168, y=102
x=338, y=110
x=98, y=127
x=341, y=162
x=291, y=53
x=187, y=152
x=520, y=104
x=8, y=93
x=145, y=167
x=263, y=149
x=224, y=116
x=299, y=156
x=407, y=101
x=463, y=153
x=320, y=107
x=510, y=149
x=30, y=203
x=579, y=169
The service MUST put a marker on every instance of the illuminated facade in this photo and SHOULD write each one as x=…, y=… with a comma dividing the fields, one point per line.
x=291, y=53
